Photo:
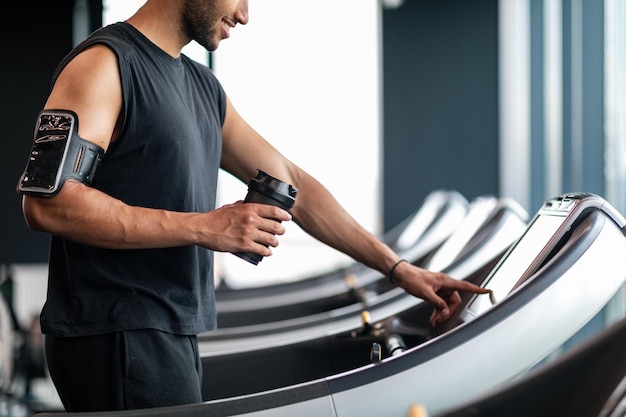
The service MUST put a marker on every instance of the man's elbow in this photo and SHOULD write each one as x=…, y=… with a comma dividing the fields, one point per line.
x=34, y=213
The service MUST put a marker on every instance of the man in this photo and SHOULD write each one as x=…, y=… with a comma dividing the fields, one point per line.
x=131, y=256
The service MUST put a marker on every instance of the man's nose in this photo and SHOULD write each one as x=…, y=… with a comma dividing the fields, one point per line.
x=242, y=12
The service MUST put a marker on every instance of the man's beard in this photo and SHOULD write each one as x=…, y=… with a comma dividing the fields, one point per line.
x=199, y=21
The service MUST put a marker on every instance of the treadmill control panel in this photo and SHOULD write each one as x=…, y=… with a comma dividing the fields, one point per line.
x=545, y=234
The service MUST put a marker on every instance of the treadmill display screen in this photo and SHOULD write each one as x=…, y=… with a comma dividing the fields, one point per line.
x=522, y=261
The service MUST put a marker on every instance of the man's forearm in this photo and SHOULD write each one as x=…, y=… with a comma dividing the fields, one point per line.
x=85, y=215
x=320, y=215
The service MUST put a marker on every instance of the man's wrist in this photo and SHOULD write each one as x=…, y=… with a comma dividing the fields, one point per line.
x=392, y=271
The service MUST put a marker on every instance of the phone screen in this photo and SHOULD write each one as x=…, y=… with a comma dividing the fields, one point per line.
x=49, y=148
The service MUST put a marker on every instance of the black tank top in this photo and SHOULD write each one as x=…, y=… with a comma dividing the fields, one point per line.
x=167, y=156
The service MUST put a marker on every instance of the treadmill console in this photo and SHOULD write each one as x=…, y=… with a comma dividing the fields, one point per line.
x=546, y=233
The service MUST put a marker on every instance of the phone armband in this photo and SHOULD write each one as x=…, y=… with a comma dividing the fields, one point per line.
x=58, y=153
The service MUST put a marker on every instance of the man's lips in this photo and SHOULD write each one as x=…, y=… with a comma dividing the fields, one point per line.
x=227, y=24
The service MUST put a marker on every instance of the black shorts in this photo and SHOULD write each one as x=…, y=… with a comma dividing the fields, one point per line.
x=125, y=370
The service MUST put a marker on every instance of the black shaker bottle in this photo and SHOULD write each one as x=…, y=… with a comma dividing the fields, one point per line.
x=266, y=189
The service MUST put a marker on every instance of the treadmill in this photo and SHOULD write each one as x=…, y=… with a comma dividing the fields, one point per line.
x=244, y=356
x=583, y=382
x=560, y=274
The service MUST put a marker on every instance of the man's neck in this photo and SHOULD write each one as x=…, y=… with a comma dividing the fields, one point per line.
x=159, y=21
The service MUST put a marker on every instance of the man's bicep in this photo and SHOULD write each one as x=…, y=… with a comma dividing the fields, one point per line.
x=90, y=86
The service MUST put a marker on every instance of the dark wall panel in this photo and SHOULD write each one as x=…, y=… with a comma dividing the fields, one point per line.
x=440, y=66
x=35, y=35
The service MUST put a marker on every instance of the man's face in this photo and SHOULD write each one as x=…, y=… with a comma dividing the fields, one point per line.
x=209, y=21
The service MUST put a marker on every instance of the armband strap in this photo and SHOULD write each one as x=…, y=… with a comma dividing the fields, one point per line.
x=58, y=153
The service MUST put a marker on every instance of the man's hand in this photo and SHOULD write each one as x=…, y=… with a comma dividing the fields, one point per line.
x=246, y=227
x=437, y=288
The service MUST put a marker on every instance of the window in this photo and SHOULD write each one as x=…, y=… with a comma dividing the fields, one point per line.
x=615, y=102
